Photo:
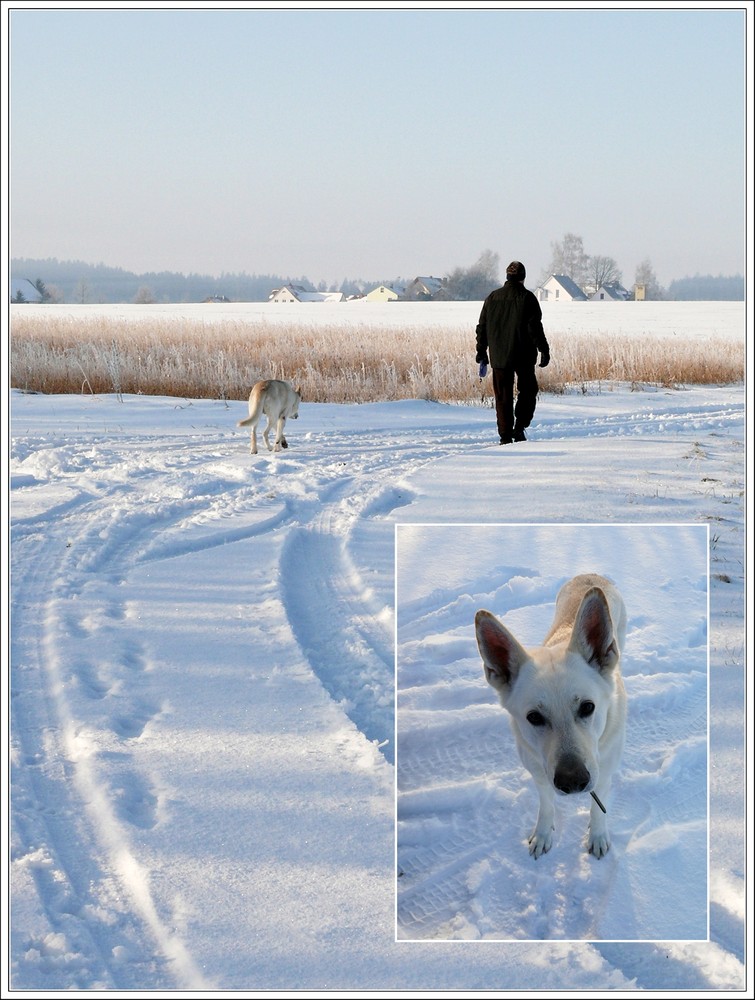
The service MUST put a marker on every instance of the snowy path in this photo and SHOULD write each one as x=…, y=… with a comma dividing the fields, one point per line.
x=202, y=684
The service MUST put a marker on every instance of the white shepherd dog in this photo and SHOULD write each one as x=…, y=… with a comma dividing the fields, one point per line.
x=566, y=700
x=278, y=401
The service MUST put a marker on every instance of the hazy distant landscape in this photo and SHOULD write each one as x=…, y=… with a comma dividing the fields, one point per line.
x=74, y=281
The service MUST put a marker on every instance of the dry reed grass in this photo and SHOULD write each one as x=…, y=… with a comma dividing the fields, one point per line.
x=191, y=359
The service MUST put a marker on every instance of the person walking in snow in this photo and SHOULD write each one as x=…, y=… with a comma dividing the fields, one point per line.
x=509, y=336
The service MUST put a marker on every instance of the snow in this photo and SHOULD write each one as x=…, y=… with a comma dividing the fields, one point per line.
x=667, y=319
x=202, y=765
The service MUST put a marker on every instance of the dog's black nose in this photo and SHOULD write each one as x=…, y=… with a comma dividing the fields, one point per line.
x=571, y=775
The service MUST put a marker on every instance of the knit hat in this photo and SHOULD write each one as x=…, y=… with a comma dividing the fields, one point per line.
x=515, y=271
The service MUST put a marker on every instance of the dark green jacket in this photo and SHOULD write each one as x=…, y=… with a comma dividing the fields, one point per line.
x=510, y=330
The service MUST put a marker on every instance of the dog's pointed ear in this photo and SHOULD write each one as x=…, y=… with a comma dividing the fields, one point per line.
x=592, y=636
x=502, y=656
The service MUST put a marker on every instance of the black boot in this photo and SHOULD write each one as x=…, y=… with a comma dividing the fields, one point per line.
x=519, y=434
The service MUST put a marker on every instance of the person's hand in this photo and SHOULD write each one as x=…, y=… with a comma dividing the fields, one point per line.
x=545, y=357
x=483, y=369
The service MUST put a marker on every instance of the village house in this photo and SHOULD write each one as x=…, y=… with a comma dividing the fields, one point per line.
x=560, y=288
x=423, y=289
x=613, y=292
x=297, y=293
x=384, y=293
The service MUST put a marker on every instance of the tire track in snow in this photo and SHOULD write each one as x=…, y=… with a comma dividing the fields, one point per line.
x=339, y=623
x=56, y=835
x=73, y=835
x=703, y=419
x=329, y=619
x=341, y=627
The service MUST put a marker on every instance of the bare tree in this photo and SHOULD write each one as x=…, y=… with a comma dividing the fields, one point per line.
x=82, y=292
x=476, y=282
x=603, y=271
x=144, y=296
x=569, y=258
x=645, y=276
x=486, y=266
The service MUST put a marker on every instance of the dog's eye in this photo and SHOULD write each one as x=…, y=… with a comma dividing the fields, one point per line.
x=586, y=709
x=536, y=719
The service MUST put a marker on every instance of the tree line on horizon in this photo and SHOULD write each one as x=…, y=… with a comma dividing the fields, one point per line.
x=79, y=282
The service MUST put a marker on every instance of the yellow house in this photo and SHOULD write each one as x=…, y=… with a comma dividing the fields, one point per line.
x=383, y=293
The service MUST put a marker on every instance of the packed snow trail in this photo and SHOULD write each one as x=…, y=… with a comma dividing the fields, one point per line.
x=201, y=797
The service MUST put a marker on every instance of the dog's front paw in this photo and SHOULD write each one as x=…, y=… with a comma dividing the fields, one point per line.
x=598, y=843
x=540, y=842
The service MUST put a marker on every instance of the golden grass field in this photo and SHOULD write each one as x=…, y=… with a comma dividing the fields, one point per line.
x=335, y=361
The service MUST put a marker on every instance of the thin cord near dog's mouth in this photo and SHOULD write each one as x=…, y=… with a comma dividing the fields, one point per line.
x=598, y=801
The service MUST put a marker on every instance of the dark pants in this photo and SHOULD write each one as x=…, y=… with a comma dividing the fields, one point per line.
x=507, y=414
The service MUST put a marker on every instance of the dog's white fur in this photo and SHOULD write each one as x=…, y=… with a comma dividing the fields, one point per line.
x=278, y=401
x=565, y=743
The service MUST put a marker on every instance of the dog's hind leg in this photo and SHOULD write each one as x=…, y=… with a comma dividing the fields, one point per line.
x=266, y=434
x=280, y=441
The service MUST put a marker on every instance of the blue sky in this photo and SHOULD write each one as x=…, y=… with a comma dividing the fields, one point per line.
x=378, y=143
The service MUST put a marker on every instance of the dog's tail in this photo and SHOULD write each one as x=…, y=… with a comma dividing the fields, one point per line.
x=256, y=401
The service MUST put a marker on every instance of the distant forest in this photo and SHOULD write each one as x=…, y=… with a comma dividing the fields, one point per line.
x=706, y=288
x=78, y=282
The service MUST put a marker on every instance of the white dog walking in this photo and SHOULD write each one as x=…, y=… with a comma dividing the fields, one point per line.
x=566, y=700
x=278, y=401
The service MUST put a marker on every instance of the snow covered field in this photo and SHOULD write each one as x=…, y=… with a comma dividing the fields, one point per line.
x=687, y=319
x=203, y=767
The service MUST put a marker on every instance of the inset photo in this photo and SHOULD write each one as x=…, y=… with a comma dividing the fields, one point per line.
x=552, y=732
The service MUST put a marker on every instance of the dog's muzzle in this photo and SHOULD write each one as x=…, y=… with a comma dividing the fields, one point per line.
x=571, y=775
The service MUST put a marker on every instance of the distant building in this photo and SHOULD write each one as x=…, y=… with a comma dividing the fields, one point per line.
x=613, y=292
x=384, y=293
x=297, y=293
x=639, y=293
x=424, y=289
x=560, y=288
